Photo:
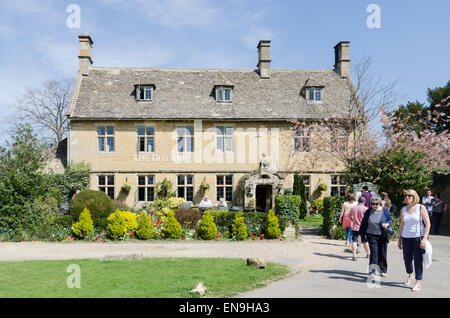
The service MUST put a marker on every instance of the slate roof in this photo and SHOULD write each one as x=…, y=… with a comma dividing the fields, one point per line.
x=108, y=93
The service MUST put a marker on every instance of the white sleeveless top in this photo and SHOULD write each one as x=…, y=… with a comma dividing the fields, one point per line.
x=412, y=227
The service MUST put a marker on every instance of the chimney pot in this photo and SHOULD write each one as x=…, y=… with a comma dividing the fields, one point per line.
x=264, y=58
x=85, y=57
x=342, y=58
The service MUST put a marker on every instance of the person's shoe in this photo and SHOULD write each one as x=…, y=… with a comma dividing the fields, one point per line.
x=416, y=288
x=354, y=258
x=408, y=282
x=384, y=275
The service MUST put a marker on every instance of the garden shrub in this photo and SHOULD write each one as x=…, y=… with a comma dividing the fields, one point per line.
x=207, y=230
x=188, y=218
x=174, y=203
x=85, y=225
x=331, y=211
x=287, y=209
x=145, y=227
x=120, y=222
x=239, y=230
x=254, y=221
x=98, y=203
x=273, y=227
x=173, y=228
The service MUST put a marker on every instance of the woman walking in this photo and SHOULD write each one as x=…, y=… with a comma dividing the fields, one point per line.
x=343, y=218
x=413, y=236
x=356, y=215
x=375, y=220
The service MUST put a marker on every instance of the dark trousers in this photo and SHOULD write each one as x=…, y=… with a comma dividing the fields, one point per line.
x=378, y=252
x=412, y=251
x=436, y=222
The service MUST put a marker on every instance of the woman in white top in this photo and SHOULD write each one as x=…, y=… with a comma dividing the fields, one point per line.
x=346, y=223
x=413, y=236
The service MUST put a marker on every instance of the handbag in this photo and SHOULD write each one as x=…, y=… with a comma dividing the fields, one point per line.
x=427, y=252
x=387, y=232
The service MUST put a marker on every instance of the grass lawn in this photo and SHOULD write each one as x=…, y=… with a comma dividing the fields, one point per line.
x=144, y=278
x=312, y=221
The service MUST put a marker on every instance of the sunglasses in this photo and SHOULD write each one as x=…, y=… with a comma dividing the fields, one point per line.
x=408, y=196
x=374, y=204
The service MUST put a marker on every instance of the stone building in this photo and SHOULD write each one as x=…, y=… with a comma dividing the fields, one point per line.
x=226, y=128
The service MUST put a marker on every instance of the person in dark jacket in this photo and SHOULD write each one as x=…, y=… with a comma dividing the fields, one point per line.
x=375, y=220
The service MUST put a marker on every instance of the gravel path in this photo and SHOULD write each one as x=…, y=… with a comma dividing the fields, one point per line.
x=303, y=254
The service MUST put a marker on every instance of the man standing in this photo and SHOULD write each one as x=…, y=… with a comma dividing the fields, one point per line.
x=427, y=202
x=356, y=215
x=366, y=194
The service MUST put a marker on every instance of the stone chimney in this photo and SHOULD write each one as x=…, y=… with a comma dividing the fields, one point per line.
x=264, y=58
x=85, y=57
x=342, y=58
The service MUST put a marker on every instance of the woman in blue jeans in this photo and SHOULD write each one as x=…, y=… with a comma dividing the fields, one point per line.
x=414, y=236
x=375, y=220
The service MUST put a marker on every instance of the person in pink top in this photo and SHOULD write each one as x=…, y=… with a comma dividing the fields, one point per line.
x=356, y=215
x=346, y=223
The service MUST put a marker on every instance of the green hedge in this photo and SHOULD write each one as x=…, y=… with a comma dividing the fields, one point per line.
x=287, y=209
x=331, y=211
x=256, y=222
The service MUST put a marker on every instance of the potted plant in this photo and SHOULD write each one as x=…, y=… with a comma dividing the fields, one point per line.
x=126, y=188
x=322, y=187
x=204, y=186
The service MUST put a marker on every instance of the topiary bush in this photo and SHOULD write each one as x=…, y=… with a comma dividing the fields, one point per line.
x=97, y=202
x=120, y=222
x=85, y=225
x=188, y=218
x=331, y=211
x=207, y=230
x=287, y=209
x=239, y=230
x=273, y=227
x=145, y=227
x=173, y=228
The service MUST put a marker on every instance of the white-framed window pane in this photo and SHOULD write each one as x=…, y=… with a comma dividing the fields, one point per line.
x=150, y=180
x=220, y=143
x=110, y=130
x=189, y=179
x=220, y=180
x=189, y=194
x=101, y=131
x=110, y=142
x=311, y=93
x=101, y=180
x=141, y=131
x=180, y=130
x=150, y=144
x=229, y=180
x=189, y=144
x=227, y=95
x=318, y=93
x=180, y=144
x=150, y=131
x=229, y=144
x=141, y=180
x=229, y=131
x=229, y=194
x=189, y=131
x=101, y=144
x=180, y=180
x=219, y=130
x=148, y=93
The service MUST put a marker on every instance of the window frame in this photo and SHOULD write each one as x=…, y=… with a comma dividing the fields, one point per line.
x=146, y=186
x=185, y=186
x=339, y=185
x=185, y=137
x=141, y=92
x=220, y=92
x=314, y=90
x=224, y=187
x=107, y=186
x=224, y=138
x=300, y=137
x=106, y=137
x=146, y=137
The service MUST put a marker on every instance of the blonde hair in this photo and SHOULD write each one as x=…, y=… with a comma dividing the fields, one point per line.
x=416, y=198
x=386, y=200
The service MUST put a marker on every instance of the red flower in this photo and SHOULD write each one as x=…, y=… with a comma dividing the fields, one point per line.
x=131, y=234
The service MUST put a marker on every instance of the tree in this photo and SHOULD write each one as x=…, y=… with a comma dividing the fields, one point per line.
x=409, y=117
x=439, y=99
x=22, y=185
x=45, y=109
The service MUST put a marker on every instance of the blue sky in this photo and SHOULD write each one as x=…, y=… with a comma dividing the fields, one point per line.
x=37, y=45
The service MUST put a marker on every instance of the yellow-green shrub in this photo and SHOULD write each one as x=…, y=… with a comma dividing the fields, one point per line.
x=145, y=227
x=174, y=203
x=239, y=229
x=84, y=226
x=273, y=226
x=120, y=222
x=173, y=228
x=207, y=229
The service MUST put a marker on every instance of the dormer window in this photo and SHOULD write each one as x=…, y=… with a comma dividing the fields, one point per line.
x=314, y=94
x=223, y=93
x=144, y=92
